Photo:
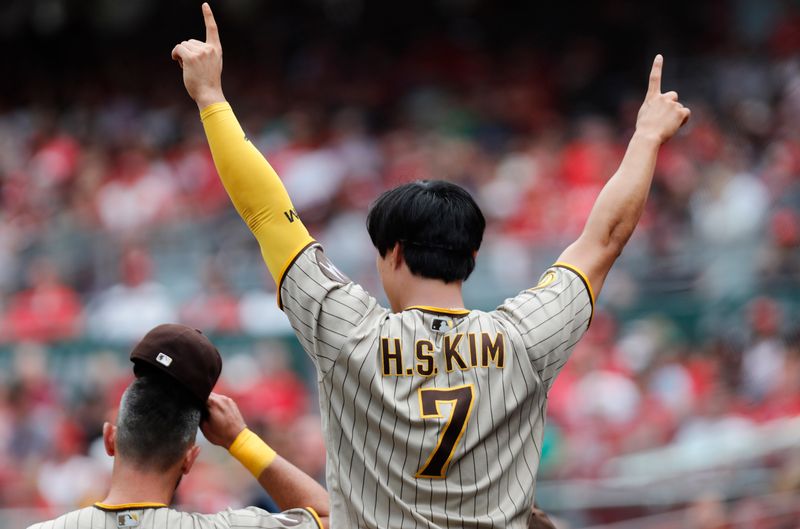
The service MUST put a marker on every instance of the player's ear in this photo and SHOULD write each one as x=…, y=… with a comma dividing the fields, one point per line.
x=396, y=255
x=110, y=438
x=190, y=458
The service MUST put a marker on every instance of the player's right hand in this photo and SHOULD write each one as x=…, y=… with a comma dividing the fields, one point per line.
x=224, y=421
x=202, y=64
x=661, y=115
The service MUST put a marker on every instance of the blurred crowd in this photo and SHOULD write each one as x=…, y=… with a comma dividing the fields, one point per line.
x=112, y=220
x=50, y=428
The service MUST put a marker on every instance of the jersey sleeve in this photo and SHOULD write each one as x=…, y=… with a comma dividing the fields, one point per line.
x=253, y=517
x=323, y=305
x=551, y=317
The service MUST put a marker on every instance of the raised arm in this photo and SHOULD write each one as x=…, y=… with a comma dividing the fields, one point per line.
x=255, y=189
x=621, y=201
x=290, y=487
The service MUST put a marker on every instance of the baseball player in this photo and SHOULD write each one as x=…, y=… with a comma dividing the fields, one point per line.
x=433, y=414
x=153, y=444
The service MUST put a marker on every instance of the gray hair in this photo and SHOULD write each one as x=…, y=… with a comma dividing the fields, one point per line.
x=157, y=423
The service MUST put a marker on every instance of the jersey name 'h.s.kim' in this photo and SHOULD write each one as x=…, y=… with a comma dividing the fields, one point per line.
x=459, y=351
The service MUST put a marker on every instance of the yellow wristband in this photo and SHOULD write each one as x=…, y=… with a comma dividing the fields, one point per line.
x=252, y=452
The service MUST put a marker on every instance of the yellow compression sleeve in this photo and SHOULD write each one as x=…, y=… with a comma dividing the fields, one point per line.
x=255, y=190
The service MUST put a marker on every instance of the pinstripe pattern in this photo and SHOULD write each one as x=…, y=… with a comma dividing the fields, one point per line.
x=164, y=518
x=376, y=437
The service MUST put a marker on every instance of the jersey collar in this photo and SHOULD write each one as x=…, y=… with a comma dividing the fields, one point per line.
x=126, y=506
x=438, y=310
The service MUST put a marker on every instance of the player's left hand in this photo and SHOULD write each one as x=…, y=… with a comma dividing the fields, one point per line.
x=224, y=421
x=661, y=115
x=202, y=64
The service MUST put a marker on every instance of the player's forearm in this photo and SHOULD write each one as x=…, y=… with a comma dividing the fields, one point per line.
x=255, y=189
x=290, y=487
x=620, y=203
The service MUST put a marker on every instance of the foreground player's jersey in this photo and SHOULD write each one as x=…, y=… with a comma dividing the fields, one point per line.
x=156, y=516
x=433, y=417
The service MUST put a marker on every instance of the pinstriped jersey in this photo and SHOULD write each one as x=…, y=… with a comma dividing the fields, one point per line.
x=161, y=517
x=433, y=418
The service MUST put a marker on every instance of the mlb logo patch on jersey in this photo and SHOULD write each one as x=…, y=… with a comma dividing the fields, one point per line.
x=127, y=519
x=441, y=325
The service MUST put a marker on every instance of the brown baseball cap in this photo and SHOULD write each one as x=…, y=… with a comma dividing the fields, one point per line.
x=183, y=353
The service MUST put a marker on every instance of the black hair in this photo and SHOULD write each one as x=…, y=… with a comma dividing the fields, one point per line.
x=157, y=423
x=437, y=224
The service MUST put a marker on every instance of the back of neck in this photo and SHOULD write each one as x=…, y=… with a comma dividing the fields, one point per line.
x=132, y=485
x=429, y=293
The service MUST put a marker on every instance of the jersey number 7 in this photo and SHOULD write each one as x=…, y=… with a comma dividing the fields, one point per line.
x=460, y=399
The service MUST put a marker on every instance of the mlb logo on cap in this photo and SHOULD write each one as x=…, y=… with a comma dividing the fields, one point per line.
x=163, y=359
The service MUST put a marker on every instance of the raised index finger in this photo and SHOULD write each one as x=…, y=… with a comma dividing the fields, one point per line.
x=212, y=34
x=654, y=87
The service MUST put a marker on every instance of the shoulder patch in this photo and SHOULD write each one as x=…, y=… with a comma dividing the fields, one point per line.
x=546, y=279
x=328, y=269
x=288, y=519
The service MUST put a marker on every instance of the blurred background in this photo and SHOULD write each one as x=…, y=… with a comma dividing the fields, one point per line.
x=680, y=408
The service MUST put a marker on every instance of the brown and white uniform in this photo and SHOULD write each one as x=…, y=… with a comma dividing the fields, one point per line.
x=433, y=418
x=158, y=516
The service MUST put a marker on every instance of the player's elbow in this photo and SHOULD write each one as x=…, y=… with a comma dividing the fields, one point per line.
x=613, y=248
x=617, y=238
x=256, y=219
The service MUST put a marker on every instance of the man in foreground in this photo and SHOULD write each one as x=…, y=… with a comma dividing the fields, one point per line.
x=433, y=414
x=153, y=445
